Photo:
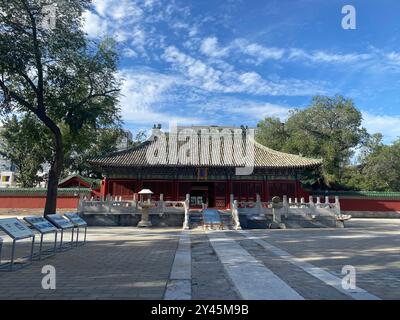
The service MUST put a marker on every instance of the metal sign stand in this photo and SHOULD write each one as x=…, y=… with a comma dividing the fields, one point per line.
x=17, y=231
x=79, y=223
x=1, y=247
x=63, y=224
x=44, y=227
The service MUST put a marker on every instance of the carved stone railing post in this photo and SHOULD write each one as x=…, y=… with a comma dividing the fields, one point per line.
x=258, y=204
x=235, y=216
x=186, y=219
x=108, y=202
x=231, y=198
x=81, y=204
x=302, y=203
x=161, y=204
x=312, y=204
x=327, y=201
x=135, y=201
x=318, y=205
x=337, y=206
x=285, y=205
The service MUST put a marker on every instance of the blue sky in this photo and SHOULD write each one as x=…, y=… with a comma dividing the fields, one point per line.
x=236, y=62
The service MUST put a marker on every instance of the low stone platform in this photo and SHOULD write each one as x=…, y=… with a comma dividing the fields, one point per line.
x=132, y=220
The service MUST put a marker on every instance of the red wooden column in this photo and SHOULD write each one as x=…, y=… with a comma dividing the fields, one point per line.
x=104, y=187
x=175, y=190
x=266, y=192
x=228, y=192
x=139, y=185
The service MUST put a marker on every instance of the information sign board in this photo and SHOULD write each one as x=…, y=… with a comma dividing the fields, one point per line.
x=15, y=228
x=59, y=221
x=76, y=219
x=40, y=224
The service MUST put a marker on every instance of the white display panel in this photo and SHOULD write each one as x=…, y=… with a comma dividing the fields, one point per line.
x=59, y=221
x=40, y=224
x=76, y=219
x=15, y=228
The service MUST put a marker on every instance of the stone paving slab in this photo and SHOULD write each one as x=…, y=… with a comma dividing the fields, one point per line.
x=306, y=285
x=251, y=278
x=116, y=263
x=372, y=246
x=179, y=286
x=131, y=263
x=209, y=280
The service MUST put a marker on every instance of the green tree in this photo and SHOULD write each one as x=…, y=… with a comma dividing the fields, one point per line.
x=330, y=128
x=140, y=137
x=89, y=144
x=381, y=168
x=271, y=133
x=56, y=73
x=23, y=142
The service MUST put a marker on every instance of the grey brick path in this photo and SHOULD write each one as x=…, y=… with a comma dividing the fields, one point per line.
x=209, y=280
x=306, y=285
x=130, y=263
x=117, y=263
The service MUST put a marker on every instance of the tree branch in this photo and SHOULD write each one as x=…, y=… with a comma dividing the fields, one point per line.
x=30, y=82
x=91, y=96
x=38, y=58
x=17, y=97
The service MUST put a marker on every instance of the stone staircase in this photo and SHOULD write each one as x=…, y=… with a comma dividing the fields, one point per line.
x=196, y=220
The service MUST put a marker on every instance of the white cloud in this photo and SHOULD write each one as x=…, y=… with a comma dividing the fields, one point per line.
x=129, y=53
x=94, y=26
x=143, y=94
x=322, y=56
x=122, y=20
x=209, y=46
x=117, y=10
x=227, y=80
x=388, y=125
x=394, y=57
x=257, y=53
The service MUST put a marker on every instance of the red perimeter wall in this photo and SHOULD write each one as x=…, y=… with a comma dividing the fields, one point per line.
x=36, y=202
x=357, y=204
x=68, y=202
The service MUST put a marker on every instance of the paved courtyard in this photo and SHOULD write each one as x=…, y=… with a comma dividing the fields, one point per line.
x=166, y=263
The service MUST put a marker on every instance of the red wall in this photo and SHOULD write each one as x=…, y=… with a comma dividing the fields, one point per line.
x=347, y=204
x=35, y=202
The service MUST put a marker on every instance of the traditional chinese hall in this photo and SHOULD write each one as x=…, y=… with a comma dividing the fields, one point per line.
x=209, y=176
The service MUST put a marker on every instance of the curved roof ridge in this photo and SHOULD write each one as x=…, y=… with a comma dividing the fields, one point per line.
x=281, y=153
x=122, y=152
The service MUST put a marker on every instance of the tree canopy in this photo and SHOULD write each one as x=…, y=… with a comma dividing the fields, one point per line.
x=55, y=73
x=24, y=142
x=378, y=168
x=330, y=128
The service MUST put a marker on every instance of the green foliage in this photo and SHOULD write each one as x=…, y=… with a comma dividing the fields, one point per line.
x=140, y=137
x=381, y=168
x=87, y=144
x=271, y=133
x=378, y=168
x=329, y=129
x=24, y=143
x=68, y=82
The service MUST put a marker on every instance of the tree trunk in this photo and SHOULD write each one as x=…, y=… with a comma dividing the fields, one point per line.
x=56, y=167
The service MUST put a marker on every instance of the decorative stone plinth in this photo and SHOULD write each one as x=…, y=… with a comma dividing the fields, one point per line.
x=145, y=221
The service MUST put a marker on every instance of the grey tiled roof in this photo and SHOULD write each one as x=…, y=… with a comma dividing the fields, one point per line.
x=224, y=156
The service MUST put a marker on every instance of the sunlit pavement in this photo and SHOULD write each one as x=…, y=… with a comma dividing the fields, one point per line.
x=131, y=263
